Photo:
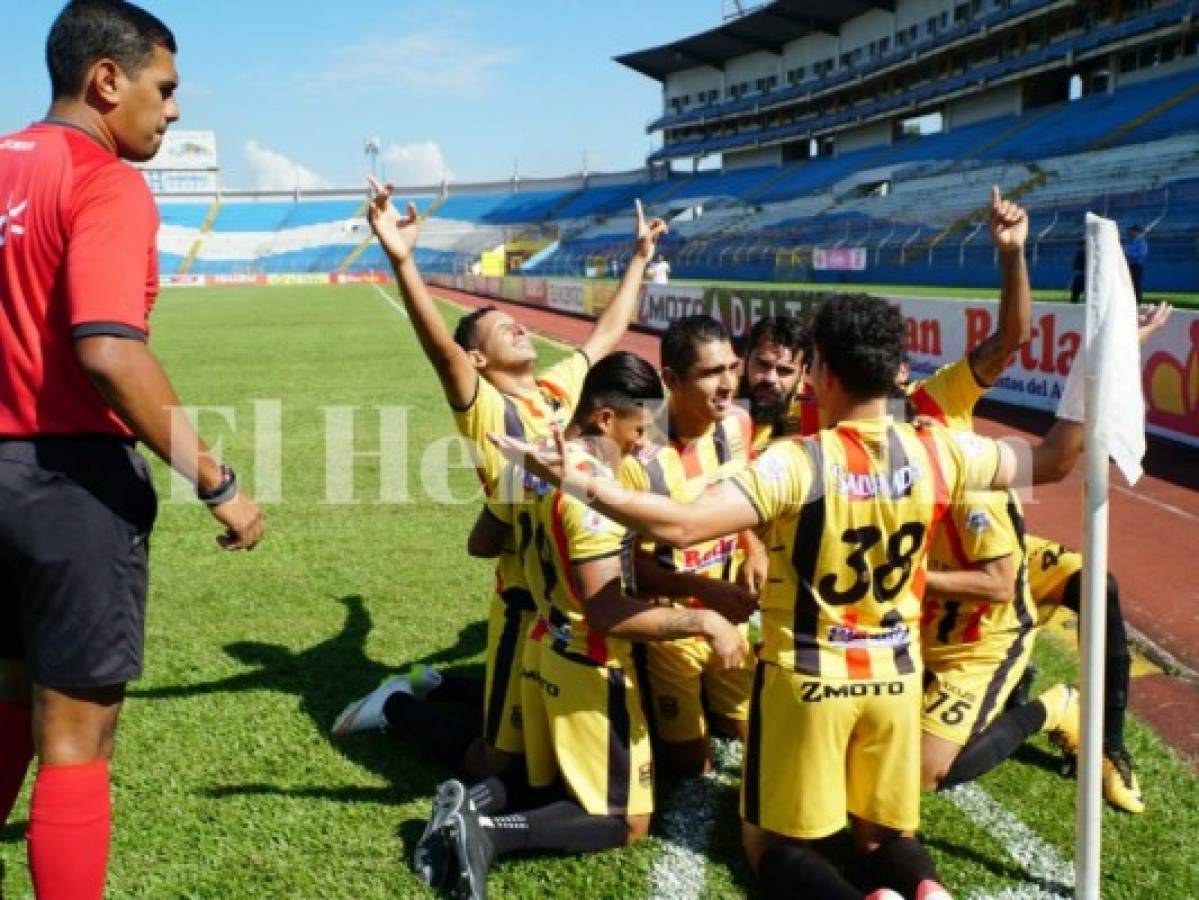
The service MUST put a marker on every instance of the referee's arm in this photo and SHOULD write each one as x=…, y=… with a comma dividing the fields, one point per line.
x=132, y=381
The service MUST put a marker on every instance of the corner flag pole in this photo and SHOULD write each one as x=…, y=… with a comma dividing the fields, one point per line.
x=1093, y=610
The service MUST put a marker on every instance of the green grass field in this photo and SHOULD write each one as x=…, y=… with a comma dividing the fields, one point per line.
x=226, y=783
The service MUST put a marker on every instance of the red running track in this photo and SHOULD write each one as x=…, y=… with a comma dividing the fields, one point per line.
x=1154, y=530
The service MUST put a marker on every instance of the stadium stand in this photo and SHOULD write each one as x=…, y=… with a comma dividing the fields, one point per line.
x=1068, y=106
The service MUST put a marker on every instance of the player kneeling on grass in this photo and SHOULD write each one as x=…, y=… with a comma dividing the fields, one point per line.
x=586, y=738
x=708, y=437
x=979, y=626
x=837, y=687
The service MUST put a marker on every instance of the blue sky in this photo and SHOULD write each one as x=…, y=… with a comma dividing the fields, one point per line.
x=292, y=86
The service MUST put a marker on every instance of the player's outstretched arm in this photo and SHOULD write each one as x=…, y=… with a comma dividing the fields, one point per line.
x=488, y=536
x=132, y=381
x=610, y=610
x=732, y=601
x=1062, y=447
x=989, y=581
x=398, y=236
x=1009, y=233
x=614, y=321
x=1047, y=462
x=720, y=510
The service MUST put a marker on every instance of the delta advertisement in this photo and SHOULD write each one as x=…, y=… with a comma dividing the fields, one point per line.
x=940, y=332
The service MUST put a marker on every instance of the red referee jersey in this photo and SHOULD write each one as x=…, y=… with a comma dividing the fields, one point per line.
x=77, y=256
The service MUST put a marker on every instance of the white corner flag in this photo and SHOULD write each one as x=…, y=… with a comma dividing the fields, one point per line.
x=1105, y=394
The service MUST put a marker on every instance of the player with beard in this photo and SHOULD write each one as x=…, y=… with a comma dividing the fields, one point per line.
x=775, y=354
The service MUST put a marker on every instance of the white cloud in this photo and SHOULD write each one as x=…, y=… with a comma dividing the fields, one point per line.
x=428, y=63
x=272, y=171
x=415, y=164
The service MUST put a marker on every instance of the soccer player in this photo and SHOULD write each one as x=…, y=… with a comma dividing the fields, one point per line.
x=776, y=352
x=837, y=687
x=708, y=437
x=78, y=386
x=583, y=718
x=488, y=372
x=965, y=658
x=979, y=626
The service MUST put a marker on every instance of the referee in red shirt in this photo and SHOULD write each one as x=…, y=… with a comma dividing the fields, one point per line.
x=78, y=387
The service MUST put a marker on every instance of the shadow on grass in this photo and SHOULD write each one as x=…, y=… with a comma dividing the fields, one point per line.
x=1031, y=755
x=327, y=676
x=1001, y=868
x=13, y=832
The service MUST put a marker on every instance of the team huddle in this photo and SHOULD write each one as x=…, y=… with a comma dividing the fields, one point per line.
x=640, y=521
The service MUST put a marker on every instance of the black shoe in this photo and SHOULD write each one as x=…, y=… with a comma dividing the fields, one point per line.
x=433, y=860
x=1022, y=692
x=471, y=850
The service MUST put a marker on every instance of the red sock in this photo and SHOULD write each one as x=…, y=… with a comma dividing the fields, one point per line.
x=16, y=750
x=70, y=823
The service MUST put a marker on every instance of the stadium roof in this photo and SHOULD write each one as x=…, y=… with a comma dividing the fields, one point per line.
x=768, y=28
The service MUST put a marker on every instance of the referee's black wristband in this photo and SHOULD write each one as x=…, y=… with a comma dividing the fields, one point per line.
x=223, y=492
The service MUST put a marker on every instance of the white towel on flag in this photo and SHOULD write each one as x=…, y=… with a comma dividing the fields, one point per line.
x=1111, y=325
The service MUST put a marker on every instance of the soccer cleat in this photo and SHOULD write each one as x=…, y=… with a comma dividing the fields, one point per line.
x=366, y=713
x=424, y=680
x=1062, y=714
x=433, y=861
x=884, y=894
x=471, y=850
x=1120, y=786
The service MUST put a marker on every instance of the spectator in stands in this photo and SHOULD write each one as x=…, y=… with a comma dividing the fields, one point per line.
x=1137, y=251
x=659, y=270
x=1078, y=279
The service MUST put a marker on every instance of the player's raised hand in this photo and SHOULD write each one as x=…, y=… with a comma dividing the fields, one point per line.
x=648, y=233
x=1009, y=223
x=1151, y=318
x=398, y=234
x=546, y=462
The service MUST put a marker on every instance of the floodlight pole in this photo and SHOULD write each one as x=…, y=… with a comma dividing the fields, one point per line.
x=371, y=147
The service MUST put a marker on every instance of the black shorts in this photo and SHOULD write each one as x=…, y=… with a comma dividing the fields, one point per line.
x=75, y=520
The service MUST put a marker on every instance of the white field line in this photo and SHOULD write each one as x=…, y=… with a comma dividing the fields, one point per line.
x=1049, y=875
x=386, y=296
x=686, y=828
x=1160, y=504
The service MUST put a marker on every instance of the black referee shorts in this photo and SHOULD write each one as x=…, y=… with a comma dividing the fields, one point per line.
x=75, y=520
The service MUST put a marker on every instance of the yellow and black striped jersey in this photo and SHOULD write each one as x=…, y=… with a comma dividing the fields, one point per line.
x=527, y=416
x=553, y=532
x=984, y=525
x=949, y=395
x=1050, y=565
x=682, y=472
x=851, y=513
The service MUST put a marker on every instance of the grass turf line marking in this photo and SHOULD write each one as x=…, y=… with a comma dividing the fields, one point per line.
x=687, y=824
x=1161, y=504
x=386, y=296
x=1050, y=875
